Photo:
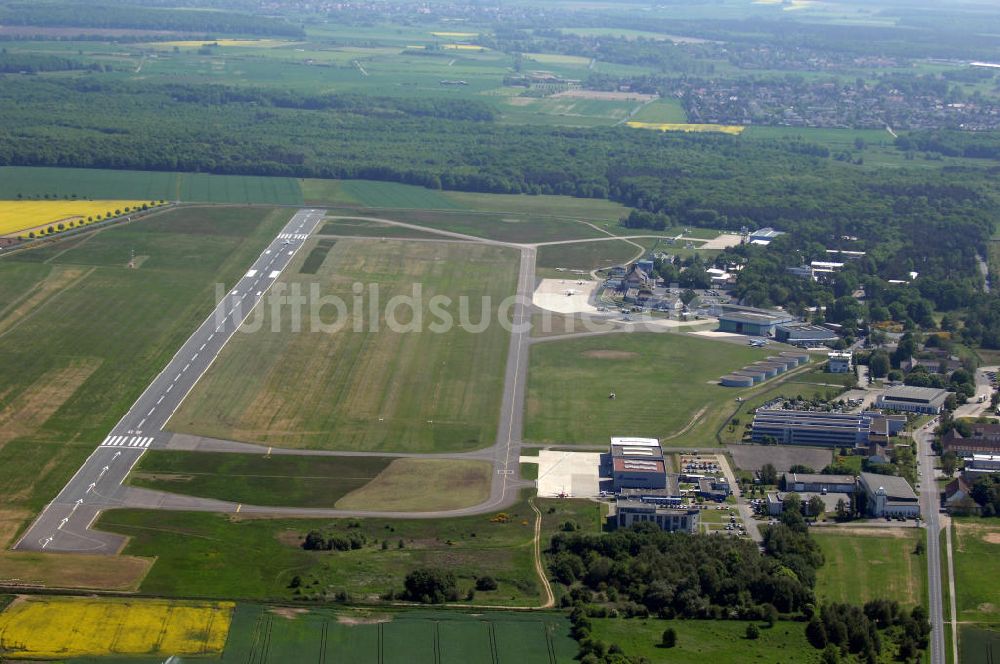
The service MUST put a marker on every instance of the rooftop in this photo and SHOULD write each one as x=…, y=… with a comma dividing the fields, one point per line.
x=896, y=488
x=818, y=478
x=638, y=466
x=910, y=392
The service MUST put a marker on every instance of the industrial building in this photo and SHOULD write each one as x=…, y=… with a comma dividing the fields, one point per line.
x=763, y=236
x=637, y=463
x=926, y=400
x=888, y=495
x=981, y=464
x=754, y=322
x=804, y=334
x=822, y=429
x=631, y=512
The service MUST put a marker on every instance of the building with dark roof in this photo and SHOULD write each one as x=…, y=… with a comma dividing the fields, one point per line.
x=926, y=400
x=755, y=322
x=804, y=334
x=823, y=429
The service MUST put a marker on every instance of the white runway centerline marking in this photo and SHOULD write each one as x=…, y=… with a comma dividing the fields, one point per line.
x=251, y=273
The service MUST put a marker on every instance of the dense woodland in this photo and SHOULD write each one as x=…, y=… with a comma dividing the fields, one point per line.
x=109, y=15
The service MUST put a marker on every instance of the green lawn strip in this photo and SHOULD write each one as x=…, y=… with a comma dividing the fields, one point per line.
x=975, y=547
x=668, y=111
x=369, y=193
x=661, y=382
x=891, y=569
x=716, y=641
x=280, y=480
x=211, y=555
x=380, y=387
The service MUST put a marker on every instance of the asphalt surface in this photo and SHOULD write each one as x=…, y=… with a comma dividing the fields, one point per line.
x=930, y=507
x=64, y=525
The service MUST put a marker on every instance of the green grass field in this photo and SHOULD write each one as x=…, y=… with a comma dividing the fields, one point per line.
x=368, y=228
x=147, y=185
x=662, y=381
x=890, y=571
x=513, y=227
x=213, y=555
x=413, y=485
x=976, y=552
x=591, y=209
x=586, y=255
x=663, y=110
x=716, y=641
x=369, y=193
x=82, y=334
x=297, y=481
x=376, y=389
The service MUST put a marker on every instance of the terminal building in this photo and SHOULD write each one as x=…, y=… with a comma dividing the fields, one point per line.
x=888, y=495
x=926, y=400
x=631, y=512
x=637, y=463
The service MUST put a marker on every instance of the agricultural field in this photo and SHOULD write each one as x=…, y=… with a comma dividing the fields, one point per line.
x=30, y=182
x=566, y=111
x=693, y=128
x=663, y=383
x=891, y=571
x=266, y=635
x=978, y=644
x=122, y=326
x=717, y=641
x=375, y=388
x=976, y=543
x=586, y=209
x=17, y=218
x=212, y=555
x=56, y=628
x=587, y=255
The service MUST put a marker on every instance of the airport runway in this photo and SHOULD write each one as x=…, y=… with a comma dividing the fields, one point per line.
x=64, y=525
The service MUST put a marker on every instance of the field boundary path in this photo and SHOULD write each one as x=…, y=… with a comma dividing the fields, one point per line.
x=65, y=523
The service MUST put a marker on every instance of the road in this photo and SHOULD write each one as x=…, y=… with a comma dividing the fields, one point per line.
x=64, y=524
x=746, y=512
x=930, y=507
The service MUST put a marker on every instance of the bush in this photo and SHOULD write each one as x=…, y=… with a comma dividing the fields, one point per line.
x=430, y=586
x=486, y=583
x=753, y=632
x=669, y=638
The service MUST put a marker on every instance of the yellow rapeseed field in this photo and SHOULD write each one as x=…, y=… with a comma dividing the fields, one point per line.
x=17, y=216
x=668, y=126
x=58, y=628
